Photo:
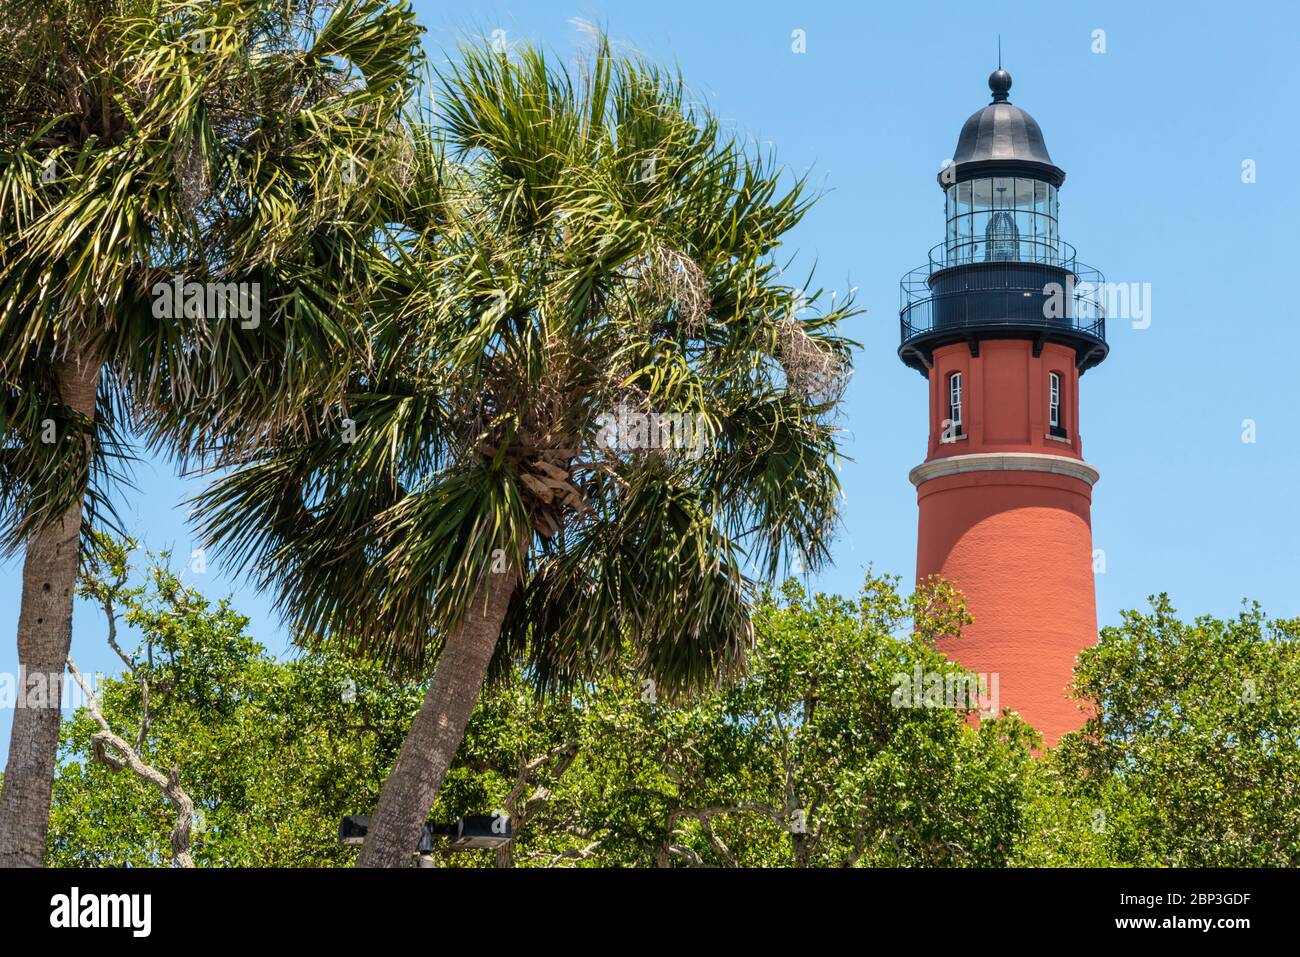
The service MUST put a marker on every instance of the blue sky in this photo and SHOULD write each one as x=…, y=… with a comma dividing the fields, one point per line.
x=1152, y=133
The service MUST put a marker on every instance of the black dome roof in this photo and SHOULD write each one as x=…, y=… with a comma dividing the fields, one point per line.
x=1002, y=134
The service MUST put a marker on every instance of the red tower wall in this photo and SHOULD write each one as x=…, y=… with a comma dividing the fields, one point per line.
x=1005, y=514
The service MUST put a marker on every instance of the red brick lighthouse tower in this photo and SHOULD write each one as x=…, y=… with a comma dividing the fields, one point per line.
x=1003, y=322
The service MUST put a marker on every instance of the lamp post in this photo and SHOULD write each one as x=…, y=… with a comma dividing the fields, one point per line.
x=470, y=833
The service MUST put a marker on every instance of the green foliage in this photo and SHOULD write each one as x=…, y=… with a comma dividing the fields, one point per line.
x=1192, y=756
x=146, y=140
x=275, y=753
x=806, y=760
x=231, y=148
x=272, y=753
x=577, y=242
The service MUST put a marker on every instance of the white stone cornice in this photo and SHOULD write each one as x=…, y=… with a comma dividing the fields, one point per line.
x=1004, y=462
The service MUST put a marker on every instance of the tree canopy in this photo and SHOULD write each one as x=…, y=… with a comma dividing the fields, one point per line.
x=809, y=759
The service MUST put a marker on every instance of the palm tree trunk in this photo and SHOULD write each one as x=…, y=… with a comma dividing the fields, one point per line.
x=44, y=635
x=436, y=733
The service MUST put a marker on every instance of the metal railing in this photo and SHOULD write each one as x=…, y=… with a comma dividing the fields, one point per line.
x=1062, y=295
x=1021, y=249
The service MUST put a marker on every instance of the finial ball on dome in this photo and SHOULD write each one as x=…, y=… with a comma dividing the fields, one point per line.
x=1000, y=84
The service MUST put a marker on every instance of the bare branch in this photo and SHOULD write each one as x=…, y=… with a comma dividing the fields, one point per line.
x=144, y=714
x=168, y=784
x=689, y=854
x=110, y=613
x=520, y=812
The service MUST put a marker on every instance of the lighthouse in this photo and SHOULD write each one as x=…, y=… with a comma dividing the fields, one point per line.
x=1003, y=321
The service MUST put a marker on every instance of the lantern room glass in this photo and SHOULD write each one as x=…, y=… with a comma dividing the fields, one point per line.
x=1002, y=219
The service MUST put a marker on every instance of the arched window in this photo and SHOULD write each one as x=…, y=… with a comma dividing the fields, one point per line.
x=954, y=402
x=1055, y=420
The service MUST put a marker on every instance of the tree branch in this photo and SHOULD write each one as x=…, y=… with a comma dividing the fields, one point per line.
x=168, y=784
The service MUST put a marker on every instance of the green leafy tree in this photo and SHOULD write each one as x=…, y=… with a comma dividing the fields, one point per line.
x=272, y=754
x=810, y=759
x=1192, y=756
x=147, y=146
x=572, y=254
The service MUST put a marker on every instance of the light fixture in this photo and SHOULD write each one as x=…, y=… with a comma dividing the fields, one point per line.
x=470, y=833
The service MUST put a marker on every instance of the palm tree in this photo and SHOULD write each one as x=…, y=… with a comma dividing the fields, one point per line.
x=144, y=145
x=573, y=258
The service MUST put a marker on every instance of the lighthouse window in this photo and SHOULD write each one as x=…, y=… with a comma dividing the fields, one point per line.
x=1001, y=218
x=1054, y=405
x=954, y=402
